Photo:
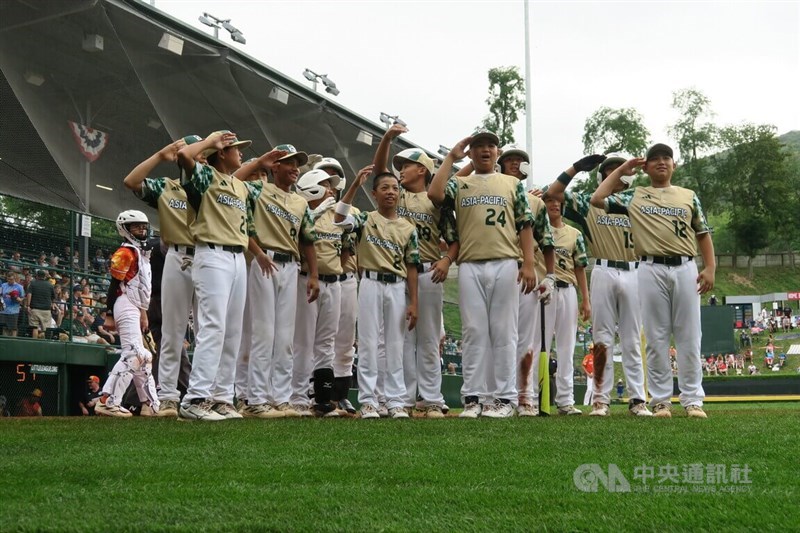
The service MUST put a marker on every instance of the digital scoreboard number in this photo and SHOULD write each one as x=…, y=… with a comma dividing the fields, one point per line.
x=28, y=389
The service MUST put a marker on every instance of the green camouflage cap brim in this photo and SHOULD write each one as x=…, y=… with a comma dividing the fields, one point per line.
x=301, y=157
x=191, y=139
x=485, y=134
x=236, y=142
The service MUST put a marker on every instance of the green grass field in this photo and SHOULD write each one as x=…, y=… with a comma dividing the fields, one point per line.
x=91, y=474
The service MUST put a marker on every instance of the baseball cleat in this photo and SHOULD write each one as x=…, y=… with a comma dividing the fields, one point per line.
x=600, y=409
x=226, y=410
x=695, y=411
x=345, y=405
x=263, y=410
x=662, y=410
x=471, y=410
x=287, y=410
x=303, y=410
x=639, y=409
x=103, y=409
x=383, y=412
x=169, y=408
x=569, y=410
x=147, y=410
x=445, y=409
x=525, y=409
x=199, y=410
x=498, y=409
x=433, y=411
x=368, y=411
x=398, y=412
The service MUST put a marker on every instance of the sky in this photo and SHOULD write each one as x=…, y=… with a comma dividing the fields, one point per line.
x=427, y=61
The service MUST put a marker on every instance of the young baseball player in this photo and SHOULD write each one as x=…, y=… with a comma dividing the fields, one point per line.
x=317, y=321
x=282, y=225
x=169, y=198
x=614, y=287
x=388, y=255
x=571, y=264
x=421, y=360
x=493, y=220
x=669, y=225
x=343, y=345
x=220, y=234
x=127, y=300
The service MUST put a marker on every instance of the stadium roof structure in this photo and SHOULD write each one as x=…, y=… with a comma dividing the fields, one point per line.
x=89, y=88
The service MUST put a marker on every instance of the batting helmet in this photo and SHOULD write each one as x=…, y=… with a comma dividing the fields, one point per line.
x=329, y=162
x=512, y=149
x=342, y=184
x=308, y=186
x=129, y=217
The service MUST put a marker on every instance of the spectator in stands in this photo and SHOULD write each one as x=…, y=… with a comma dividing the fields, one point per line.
x=748, y=355
x=11, y=296
x=87, y=298
x=42, y=260
x=769, y=356
x=38, y=303
x=91, y=396
x=99, y=262
x=451, y=368
x=722, y=367
x=80, y=331
x=52, y=261
x=97, y=327
x=787, y=324
x=781, y=360
x=59, y=307
x=15, y=264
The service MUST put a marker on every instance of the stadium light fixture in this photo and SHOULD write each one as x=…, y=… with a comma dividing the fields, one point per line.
x=279, y=94
x=34, y=78
x=213, y=22
x=364, y=137
x=171, y=43
x=389, y=120
x=313, y=77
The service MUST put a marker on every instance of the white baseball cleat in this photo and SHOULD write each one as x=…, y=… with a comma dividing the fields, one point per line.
x=599, y=409
x=226, y=410
x=695, y=411
x=525, y=409
x=369, y=411
x=471, y=410
x=569, y=410
x=639, y=409
x=199, y=410
x=398, y=412
x=103, y=409
x=662, y=410
x=169, y=408
x=498, y=409
x=263, y=410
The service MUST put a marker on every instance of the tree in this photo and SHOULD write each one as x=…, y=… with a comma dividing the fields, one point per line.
x=610, y=130
x=506, y=100
x=756, y=172
x=695, y=137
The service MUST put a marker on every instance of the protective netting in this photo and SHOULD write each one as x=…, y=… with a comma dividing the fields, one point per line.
x=137, y=97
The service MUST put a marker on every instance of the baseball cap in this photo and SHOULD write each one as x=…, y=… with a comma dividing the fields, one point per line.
x=236, y=142
x=415, y=156
x=94, y=379
x=37, y=393
x=191, y=139
x=486, y=134
x=329, y=162
x=658, y=149
x=302, y=157
x=513, y=149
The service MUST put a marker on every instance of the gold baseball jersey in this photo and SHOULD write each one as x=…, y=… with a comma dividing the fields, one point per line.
x=608, y=235
x=385, y=245
x=420, y=211
x=490, y=210
x=542, y=234
x=222, y=207
x=330, y=239
x=666, y=220
x=280, y=218
x=570, y=252
x=174, y=216
x=351, y=265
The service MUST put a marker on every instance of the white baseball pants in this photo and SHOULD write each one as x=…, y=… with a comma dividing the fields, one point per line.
x=422, y=365
x=671, y=306
x=346, y=333
x=614, y=295
x=381, y=306
x=489, y=297
x=220, y=286
x=314, y=334
x=566, y=321
x=243, y=357
x=177, y=293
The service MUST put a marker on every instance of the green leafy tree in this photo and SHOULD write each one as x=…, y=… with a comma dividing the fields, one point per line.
x=696, y=136
x=506, y=100
x=36, y=215
x=756, y=171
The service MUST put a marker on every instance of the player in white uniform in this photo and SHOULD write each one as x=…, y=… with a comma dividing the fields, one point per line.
x=128, y=299
x=317, y=321
x=282, y=225
x=571, y=265
x=422, y=367
x=220, y=233
x=388, y=256
x=669, y=225
x=614, y=287
x=177, y=291
x=493, y=221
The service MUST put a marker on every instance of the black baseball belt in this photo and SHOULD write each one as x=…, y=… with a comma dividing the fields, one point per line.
x=668, y=260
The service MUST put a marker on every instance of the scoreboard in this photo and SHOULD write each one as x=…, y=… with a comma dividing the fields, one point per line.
x=29, y=382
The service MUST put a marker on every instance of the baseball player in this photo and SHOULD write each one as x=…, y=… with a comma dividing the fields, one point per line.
x=127, y=300
x=317, y=321
x=282, y=225
x=169, y=198
x=344, y=342
x=588, y=369
x=667, y=221
x=220, y=234
x=493, y=220
x=421, y=360
x=388, y=255
x=571, y=265
x=614, y=287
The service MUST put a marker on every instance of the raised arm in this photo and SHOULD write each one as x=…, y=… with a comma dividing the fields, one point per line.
x=342, y=209
x=133, y=181
x=265, y=161
x=585, y=164
x=436, y=190
x=188, y=154
x=381, y=161
x=606, y=188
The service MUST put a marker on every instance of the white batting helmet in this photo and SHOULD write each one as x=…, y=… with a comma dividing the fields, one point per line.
x=342, y=184
x=308, y=186
x=329, y=162
x=129, y=217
